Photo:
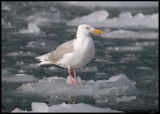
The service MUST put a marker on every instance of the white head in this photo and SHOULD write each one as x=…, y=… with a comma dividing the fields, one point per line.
x=86, y=30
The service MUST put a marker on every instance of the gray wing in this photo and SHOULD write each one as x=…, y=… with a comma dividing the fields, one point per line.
x=57, y=54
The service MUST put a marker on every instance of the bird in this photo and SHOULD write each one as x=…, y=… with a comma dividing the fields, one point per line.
x=75, y=53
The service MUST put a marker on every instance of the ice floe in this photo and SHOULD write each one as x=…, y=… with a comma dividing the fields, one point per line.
x=42, y=44
x=35, y=45
x=40, y=18
x=124, y=48
x=126, y=98
x=40, y=107
x=105, y=59
x=53, y=86
x=143, y=68
x=129, y=34
x=88, y=69
x=124, y=20
x=21, y=53
x=128, y=58
x=91, y=18
x=80, y=107
x=6, y=7
x=146, y=43
x=5, y=71
x=102, y=60
x=30, y=66
x=32, y=29
x=19, y=78
x=53, y=68
x=6, y=24
x=113, y=4
x=18, y=110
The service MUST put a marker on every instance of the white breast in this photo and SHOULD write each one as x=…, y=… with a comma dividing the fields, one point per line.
x=88, y=51
x=84, y=52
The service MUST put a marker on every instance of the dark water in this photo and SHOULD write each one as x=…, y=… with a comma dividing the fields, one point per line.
x=136, y=58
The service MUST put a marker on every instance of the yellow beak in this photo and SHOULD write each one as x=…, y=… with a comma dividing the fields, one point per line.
x=97, y=31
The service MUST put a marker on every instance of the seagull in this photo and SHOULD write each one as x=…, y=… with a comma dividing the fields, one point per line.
x=75, y=53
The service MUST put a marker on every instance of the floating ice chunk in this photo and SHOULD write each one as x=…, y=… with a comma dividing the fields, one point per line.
x=113, y=4
x=18, y=110
x=68, y=80
x=79, y=79
x=117, y=85
x=143, y=68
x=51, y=79
x=5, y=71
x=3, y=21
x=97, y=16
x=21, y=71
x=100, y=74
x=19, y=78
x=139, y=15
x=6, y=24
x=126, y=98
x=45, y=17
x=42, y=44
x=34, y=44
x=124, y=20
x=52, y=68
x=39, y=107
x=128, y=58
x=130, y=34
x=124, y=48
x=80, y=107
x=21, y=53
x=100, y=90
x=147, y=43
x=19, y=63
x=32, y=28
x=106, y=59
x=101, y=60
x=126, y=15
x=114, y=78
x=6, y=7
x=30, y=66
x=88, y=69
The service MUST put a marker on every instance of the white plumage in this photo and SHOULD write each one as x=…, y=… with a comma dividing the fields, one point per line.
x=75, y=53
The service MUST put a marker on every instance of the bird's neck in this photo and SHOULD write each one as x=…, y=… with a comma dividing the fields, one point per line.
x=82, y=37
x=82, y=34
x=80, y=42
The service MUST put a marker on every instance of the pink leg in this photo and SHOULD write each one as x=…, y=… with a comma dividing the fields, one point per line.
x=75, y=81
x=69, y=71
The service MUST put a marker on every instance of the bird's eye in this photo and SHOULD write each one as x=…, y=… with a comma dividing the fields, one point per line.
x=87, y=28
